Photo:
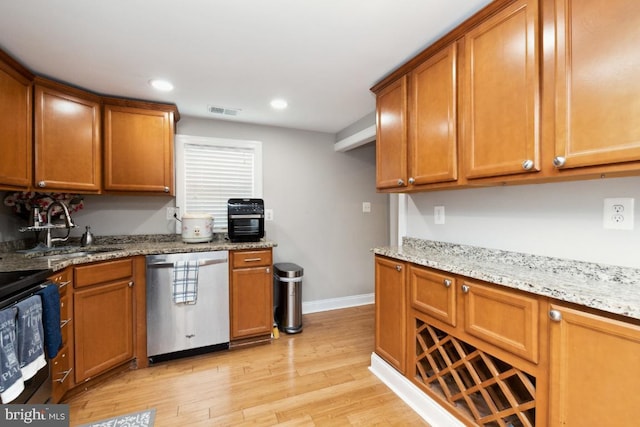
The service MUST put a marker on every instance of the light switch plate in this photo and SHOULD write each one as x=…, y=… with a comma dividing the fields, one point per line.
x=438, y=214
x=268, y=214
x=366, y=207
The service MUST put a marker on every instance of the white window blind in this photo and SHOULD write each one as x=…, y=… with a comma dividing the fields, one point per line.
x=210, y=171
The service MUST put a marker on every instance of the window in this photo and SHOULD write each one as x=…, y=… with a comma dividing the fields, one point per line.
x=210, y=171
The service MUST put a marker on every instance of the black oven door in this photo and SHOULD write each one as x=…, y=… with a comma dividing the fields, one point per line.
x=246, y=228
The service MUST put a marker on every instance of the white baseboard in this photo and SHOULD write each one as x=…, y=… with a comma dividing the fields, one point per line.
x=336, y=303
x=422, y=404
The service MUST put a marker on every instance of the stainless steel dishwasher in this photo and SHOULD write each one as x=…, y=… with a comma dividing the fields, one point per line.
x=177, y=329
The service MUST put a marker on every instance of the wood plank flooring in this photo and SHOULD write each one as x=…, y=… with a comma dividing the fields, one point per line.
x=317, y=378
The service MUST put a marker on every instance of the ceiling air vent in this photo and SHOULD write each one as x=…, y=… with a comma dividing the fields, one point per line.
x=222, y=110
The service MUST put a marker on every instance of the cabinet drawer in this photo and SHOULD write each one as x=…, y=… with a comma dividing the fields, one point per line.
x=243, y=259
x=505, y=319
x=433, y=294
x=103, y=272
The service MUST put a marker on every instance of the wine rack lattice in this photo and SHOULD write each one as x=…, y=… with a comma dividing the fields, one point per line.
x=485, y=389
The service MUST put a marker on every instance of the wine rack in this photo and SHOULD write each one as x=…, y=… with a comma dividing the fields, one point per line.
x=482, y=388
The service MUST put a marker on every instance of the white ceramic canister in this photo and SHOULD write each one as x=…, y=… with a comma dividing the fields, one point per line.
x=197, y=227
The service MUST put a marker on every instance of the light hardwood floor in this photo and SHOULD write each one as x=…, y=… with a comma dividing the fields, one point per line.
x=316, y=378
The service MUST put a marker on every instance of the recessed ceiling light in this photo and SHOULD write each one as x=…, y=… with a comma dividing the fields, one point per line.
x=162, y=85
x=279, y=104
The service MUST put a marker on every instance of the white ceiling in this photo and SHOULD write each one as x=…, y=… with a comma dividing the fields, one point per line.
x=320, y=55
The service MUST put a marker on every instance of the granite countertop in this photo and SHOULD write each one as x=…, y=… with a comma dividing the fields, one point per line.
x=604, y=287
x=112, y=248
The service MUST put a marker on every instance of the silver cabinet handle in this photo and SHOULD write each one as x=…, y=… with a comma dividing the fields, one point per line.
x=63, y=284
x=400, y=182
x=42, y=184
x=412, y=180
x=555, y=315
x=398, y=267
x=166, y=189
x=252, y=259
x=447, y=283
x=465, y=289
x=131, y=284
x=64, y=323
x=65, y=375
x=268, y=270
x=559, y=161
x=527, y=164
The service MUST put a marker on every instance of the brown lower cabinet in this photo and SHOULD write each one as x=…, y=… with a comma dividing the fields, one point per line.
x=251, y=293
x=390, y=335
x=595, y=366
x=493, y=355
x=103, y=317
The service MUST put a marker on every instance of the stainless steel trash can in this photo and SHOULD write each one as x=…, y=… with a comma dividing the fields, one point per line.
x=287, y=280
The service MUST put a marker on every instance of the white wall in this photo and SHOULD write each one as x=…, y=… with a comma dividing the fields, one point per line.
x=557, y=219
x=316, y=195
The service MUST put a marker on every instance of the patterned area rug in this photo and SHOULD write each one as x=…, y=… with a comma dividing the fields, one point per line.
x=134, y=419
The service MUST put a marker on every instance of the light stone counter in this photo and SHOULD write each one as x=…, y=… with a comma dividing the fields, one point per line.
x=117, y=247
x=604, y=287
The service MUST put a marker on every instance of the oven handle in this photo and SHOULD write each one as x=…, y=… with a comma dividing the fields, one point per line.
x=201, y=263
x=247, y=216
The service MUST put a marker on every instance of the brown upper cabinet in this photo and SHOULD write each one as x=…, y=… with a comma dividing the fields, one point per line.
x=433, y=119
x=391, y=136
x=500, y=105
x=597, y=89
x=545, y=89
x=15, y=125
x=57, y=137
x=67, y=138
x=138, y=147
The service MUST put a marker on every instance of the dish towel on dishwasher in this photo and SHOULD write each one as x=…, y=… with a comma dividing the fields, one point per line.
x=185, y=282
x=30, y=336
x=11, y=382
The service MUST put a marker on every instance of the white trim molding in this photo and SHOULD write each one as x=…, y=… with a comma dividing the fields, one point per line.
x=422, y=404
x=337, y=303
x=356, y=140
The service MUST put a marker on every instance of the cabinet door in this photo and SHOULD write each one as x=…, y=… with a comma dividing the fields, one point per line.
x=390, y=294
x=501, y=93
x=595, y=366
x=103, y=329
x=67, y=141
x=597, y=85
x=391, y=136
x=503, y=318
x=15, y=129
x=251, y=302
x=138, y=151
x=432, y=123
x=433, y=294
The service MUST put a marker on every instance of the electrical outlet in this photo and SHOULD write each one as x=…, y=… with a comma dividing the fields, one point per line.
x=438, y=214
x=618, y=213
x=366, y=207
x=268, y=214
x=173, y=213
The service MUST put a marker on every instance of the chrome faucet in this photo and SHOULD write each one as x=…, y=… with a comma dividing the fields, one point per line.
x=68, y=223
